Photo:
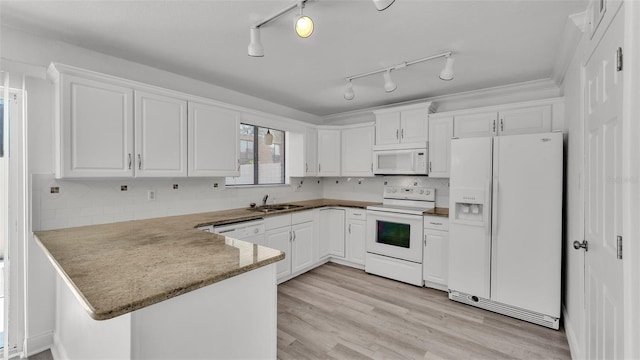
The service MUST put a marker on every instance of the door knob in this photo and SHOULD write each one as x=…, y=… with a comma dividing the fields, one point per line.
x=581, y=245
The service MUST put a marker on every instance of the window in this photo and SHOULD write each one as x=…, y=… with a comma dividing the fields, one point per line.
x=260, y=164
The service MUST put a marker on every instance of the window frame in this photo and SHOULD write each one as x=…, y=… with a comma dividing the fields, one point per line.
x=256, y=157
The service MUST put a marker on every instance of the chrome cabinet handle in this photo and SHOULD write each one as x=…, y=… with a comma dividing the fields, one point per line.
x=397, y=133
x=371, y=167
x=429, y=166
x=319, y=168
x=501, y=124
x=238, y=164
x=306, y=167
x=581, y=245
x=294, y=235
x=402, y=134
x=349, y=228
x=290, y=237
x=130, y=161
x=494, y=125
x=139, y=162
x=425, y=239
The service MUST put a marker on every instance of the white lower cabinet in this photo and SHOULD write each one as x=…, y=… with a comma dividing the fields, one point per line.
x=332, y=232
x=294, y=234
x=356, y=234
x=436, y=252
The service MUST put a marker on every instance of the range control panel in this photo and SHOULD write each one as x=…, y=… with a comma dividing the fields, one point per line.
x=409, y=193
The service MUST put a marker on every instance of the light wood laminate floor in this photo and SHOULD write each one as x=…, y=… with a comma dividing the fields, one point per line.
x=337, y=312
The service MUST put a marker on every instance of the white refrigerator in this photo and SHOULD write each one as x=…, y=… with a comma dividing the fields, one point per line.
x=505, y=247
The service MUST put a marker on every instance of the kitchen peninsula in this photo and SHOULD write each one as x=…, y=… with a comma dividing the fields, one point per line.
x=162, y=288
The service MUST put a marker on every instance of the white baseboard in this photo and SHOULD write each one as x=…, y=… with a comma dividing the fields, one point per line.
x=570, y=331
x=38, y=343
x=57, y=350
x=346, y=263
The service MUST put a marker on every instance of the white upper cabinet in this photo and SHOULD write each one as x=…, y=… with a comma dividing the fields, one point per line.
x=160, y=135
x=476, y=125
x=402, y=125
x=328, y=152
x=213, y=141
x=94, y=128
x=311, y=152
x=521, y=118
x=440, y=134
x=357, y=147
x=528, y=120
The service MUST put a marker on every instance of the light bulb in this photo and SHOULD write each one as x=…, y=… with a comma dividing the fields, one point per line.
x=268, y=138
x=304, y=26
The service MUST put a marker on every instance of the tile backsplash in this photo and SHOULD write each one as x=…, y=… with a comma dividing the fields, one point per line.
x=69, y=203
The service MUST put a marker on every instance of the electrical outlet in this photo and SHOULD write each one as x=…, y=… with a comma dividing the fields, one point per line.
x=151, y=195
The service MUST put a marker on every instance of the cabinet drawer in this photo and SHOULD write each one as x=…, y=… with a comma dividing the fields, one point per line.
x=436, y=223
x=357, y=214
x=274, y=222
x=302, y=216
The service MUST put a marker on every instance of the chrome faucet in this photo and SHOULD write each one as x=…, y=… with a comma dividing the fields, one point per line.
x=264, y=200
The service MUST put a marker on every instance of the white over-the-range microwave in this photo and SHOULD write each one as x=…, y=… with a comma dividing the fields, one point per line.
x=400, y=159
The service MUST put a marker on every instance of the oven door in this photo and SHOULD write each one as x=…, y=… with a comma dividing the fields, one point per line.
x=395, y=235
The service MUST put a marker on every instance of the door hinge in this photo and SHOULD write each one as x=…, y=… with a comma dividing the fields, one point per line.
x=619, y=246
x=619, y=59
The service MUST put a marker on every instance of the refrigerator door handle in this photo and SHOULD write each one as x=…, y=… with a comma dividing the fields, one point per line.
x=487, y=208
x=494, y=220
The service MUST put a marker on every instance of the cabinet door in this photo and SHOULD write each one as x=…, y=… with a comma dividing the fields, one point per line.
x=440, y=134
x=280, y=239
x=96, y=129
x=213, y=141
x=357, y=151
x=475, y=125
x=436, y=255
x=161, y=136
x=311, y=152
x=388, y=128
x=324, y=233
x=530, y=120
x=302, y=248
x=356, y=232
x=414, y=125
x=328, y=152
x=336, y=232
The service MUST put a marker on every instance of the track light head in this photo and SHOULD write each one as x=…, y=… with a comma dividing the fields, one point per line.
x=348, y=92
x=389, y=85
x=255, y=46
x=304, y=24
x=447, y=73
x=382, y=4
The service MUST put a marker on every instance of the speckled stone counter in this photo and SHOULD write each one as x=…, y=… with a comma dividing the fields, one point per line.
x=117, y=268
x=438, y=211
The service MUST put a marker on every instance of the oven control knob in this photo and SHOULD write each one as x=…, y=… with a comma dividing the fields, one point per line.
x=421, y=191
x=394, y=191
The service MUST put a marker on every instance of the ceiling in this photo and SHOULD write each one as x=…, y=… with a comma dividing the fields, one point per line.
x=495, y=43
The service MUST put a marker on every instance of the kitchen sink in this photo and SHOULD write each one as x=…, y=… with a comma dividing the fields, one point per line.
x=271, y=208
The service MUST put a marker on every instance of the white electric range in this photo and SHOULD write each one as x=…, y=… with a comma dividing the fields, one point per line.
x=395, y=232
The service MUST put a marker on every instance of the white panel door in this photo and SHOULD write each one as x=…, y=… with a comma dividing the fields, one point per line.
x=436, y=253
x=388, y=128
x=328, y=152
x=603, y=196
x=357, y=151
x=414, y=126
x=302, y=246
x=96, y=129
x=475, y=125
x=213, y=141
x=529, y=120
x=440, y=134
x=356, y=244
x=161, y=135
x=280, y=239
x=527, y=222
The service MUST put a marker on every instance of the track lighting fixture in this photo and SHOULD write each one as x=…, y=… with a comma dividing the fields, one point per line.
x=383, y=4
x=304, y=24
x=389, y=86
x=348, y=93
x=447, y=73
x=303, y=27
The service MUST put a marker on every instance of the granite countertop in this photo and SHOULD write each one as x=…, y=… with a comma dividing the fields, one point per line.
x=437, y=211
x=117, y=268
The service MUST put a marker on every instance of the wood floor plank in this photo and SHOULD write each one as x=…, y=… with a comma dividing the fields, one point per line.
x=337, y=312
